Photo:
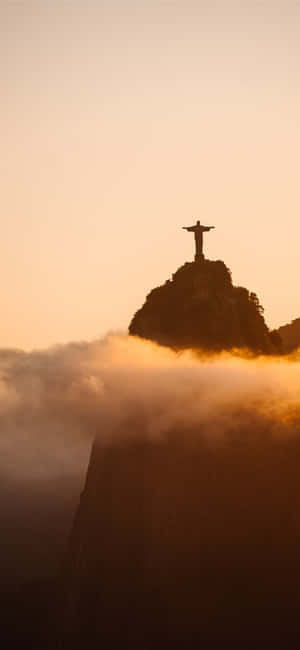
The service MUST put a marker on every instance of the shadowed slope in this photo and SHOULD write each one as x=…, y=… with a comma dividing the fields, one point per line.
x=177, y=542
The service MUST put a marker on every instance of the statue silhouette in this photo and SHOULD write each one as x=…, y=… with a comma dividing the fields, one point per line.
x=198, y=231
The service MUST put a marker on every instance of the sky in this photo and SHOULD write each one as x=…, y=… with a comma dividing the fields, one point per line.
x=122, y=121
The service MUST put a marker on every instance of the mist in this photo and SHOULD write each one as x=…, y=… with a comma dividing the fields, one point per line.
x=55, y=402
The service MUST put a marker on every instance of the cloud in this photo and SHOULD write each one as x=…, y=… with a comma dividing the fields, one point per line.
x=54, y=403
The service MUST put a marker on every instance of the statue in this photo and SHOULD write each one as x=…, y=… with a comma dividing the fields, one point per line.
x=198, y=231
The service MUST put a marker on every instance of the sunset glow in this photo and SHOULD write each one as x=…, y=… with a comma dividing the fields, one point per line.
x=122, y=122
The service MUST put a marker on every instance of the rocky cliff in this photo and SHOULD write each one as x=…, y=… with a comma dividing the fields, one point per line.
x=177, y=543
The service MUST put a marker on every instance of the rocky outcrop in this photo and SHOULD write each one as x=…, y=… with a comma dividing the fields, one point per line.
x=290, y=335
x=201, y=308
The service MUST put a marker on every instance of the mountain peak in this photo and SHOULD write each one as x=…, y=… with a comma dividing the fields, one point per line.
x=200, y=308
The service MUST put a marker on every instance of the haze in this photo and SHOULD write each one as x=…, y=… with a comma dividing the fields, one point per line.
x=123, y=121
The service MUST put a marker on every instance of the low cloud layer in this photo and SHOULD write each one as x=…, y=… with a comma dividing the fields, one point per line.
x=53, y=404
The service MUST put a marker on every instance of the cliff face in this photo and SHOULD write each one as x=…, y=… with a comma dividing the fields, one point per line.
x=200, y=308
x=178, y=542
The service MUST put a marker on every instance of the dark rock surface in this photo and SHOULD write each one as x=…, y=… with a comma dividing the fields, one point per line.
x=201, y=308
x=176, y=543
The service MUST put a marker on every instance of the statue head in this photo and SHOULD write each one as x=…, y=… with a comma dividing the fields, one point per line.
x=198, y=223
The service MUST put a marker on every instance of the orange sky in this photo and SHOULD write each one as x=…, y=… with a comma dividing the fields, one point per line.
x=121, y=121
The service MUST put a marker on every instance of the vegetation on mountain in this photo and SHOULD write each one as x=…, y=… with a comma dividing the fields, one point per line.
x=200, y=308
x=290, y=335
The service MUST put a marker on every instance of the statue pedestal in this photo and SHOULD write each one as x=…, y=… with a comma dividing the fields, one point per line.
x=199, y=258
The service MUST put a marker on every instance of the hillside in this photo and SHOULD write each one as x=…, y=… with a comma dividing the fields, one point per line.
x=201, y=308
x=290, y=335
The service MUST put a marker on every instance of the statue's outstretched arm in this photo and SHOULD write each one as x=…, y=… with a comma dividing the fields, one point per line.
x=190, y=228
